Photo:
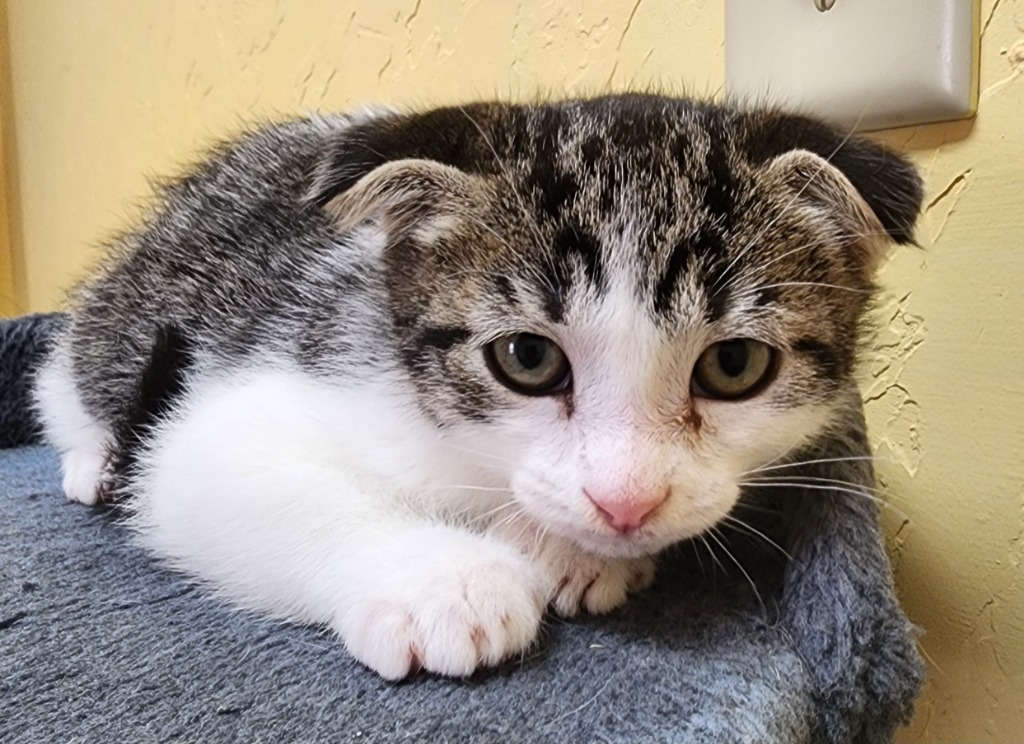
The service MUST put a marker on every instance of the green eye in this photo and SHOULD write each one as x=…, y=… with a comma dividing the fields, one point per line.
x=529, y=364
x=733, y=369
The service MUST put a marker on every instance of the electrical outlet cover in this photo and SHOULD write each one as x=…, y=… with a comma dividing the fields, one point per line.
x=863, y=64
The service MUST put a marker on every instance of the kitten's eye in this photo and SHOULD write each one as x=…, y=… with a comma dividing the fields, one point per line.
x=733, y=369
x=529, y=364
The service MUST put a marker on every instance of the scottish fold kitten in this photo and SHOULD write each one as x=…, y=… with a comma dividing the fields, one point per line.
x=419, y=376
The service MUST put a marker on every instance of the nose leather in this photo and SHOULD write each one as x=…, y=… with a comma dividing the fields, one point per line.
x=625, y=512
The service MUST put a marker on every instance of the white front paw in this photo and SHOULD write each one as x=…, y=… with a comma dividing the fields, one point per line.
x=83, y=472
x=584, y=581
x=458, y=617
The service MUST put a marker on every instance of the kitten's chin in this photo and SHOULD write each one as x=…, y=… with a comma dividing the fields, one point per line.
x=648, y=540
x=634, y=545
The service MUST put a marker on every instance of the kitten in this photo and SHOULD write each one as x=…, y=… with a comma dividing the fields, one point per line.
x=446, y=369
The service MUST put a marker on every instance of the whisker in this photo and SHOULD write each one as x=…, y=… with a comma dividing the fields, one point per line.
x=813, y=487
x=711, y=552
x=507, y=520
x=819, y=461
x=830, y=240
x=466, y=487
x=749, y=291
x=760, y=509
x=489, y=514
x=750, y=530
x=797, y=482
x=524, y=529
x=712, y=534
x=482, y=453
x=836, y=481
x=539, y=543
x=867, y=488
x=782, y=456
x=696, y=553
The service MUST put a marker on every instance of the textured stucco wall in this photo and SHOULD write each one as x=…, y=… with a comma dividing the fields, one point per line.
x=109, y=92
x=947, y=405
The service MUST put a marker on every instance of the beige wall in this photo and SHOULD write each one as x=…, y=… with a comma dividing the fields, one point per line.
x=11, y=291
x=109, y=92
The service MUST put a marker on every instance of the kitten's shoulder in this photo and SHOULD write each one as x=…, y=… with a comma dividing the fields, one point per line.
x=268, y=156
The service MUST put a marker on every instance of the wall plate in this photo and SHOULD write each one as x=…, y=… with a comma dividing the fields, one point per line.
x=864, y=64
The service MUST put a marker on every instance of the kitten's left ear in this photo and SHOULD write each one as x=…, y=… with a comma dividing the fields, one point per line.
x=872, y=175
x=824, y=193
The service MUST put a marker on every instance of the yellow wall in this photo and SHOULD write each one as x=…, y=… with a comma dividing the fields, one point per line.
x=11, y=291
x=108, y=92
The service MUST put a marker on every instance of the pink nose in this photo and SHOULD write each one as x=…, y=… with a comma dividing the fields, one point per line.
x=625, y=512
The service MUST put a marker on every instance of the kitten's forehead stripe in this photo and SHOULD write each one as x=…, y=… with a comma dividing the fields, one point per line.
x=504, y=287
x=574, y=245
x=553, y=291
x=680, y=261
x=719, y=181
x=554, y=187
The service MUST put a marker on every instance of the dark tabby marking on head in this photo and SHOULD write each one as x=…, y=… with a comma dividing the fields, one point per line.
x=554, y=290
x=431, y=343
x=575, y=252
x=575, y=244
x=507, y=291
x=830, y=365
x=441, y=339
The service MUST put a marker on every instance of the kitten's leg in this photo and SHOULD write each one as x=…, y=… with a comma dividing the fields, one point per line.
x=244, y=490
x=575, y=579
x=82, y=441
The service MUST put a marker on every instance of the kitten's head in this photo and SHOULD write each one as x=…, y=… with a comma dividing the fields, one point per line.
x=626, y=303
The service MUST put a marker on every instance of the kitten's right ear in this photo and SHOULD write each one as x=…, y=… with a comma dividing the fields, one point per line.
x=404, y=195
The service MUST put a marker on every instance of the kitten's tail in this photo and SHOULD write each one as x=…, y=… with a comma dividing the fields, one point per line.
x=161, y=384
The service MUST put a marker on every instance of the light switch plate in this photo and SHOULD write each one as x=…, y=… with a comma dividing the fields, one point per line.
x=864, y=64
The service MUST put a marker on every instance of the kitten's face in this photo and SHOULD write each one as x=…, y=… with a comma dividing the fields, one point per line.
x=626, y=313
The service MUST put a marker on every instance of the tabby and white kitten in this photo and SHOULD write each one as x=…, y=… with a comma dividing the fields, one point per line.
x=434, y=372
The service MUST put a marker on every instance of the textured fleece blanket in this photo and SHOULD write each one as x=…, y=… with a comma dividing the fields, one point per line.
x=99, y=643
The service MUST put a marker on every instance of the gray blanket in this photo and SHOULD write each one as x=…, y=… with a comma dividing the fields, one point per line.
x=98, y=643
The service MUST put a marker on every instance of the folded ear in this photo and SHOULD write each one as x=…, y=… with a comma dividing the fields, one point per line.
x=405, y=195
x=885, y=182
x=455, y=136
x=826, y=194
